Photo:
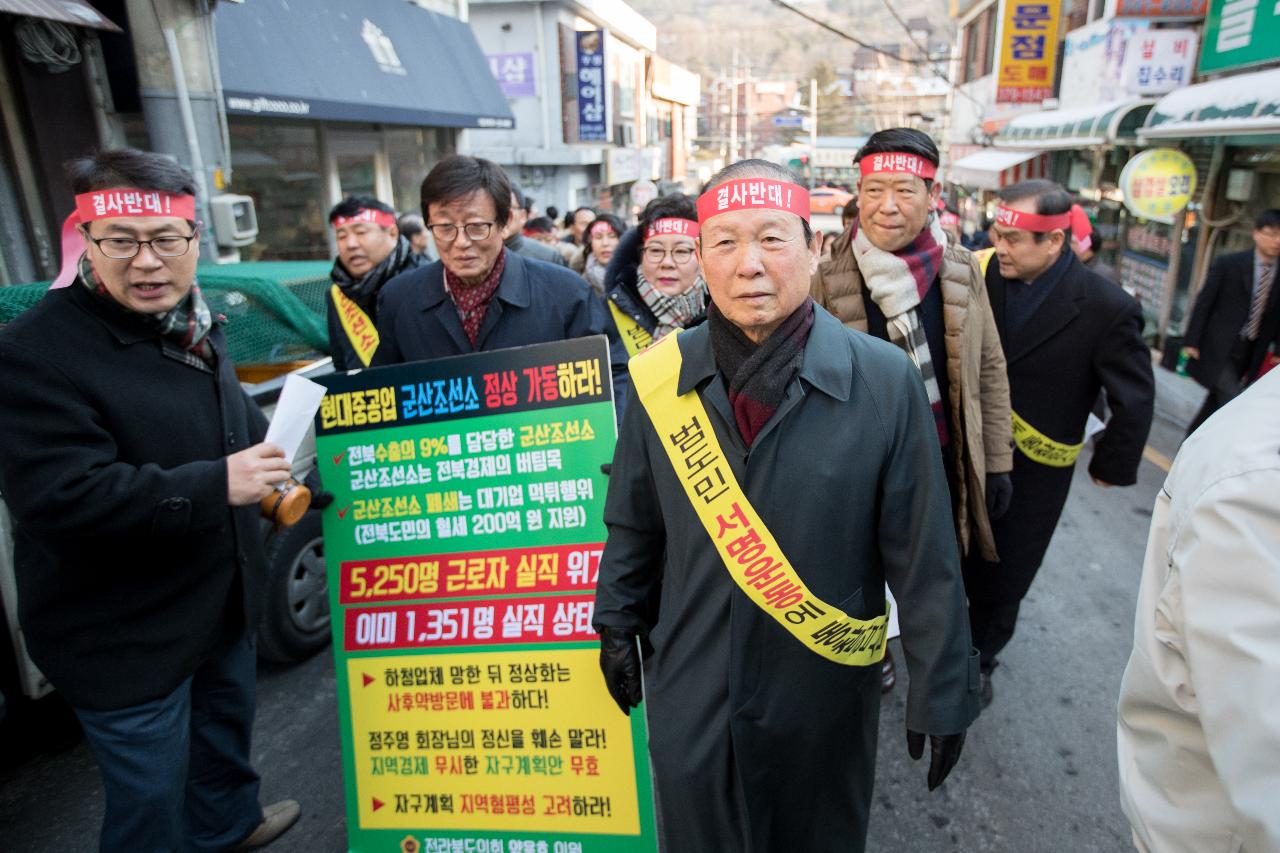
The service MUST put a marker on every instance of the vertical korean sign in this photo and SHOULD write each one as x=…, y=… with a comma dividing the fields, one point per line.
x=462, y=546
x=593, y=124
x=1028, y=51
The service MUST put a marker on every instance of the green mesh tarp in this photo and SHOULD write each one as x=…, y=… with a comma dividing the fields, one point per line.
x=275, y=310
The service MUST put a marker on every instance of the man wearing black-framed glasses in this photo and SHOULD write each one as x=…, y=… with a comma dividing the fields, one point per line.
x=480, y=296
x=132, y=463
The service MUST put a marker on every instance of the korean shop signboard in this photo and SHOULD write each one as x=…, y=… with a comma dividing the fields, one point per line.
x=593, y=119
x=1158, y=183
x=1162, y=10
x=1159, y=61
x=462, y=546
x=1239, y=34
x=1028, y=51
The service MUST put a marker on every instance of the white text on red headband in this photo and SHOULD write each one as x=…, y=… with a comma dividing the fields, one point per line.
x=1036, y=222
x=897, y=161
x=125, y=201
x=671, y=226
x=365, y=215
x=754, y=194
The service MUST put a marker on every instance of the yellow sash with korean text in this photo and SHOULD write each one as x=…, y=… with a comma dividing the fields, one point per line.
x=1040, y=448
x=745, y=545
x=634, y=337
x=356, y=324
x=1037, y=446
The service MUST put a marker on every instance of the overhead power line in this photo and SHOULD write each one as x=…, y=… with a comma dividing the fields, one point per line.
x=926, y=61
x=846, y=36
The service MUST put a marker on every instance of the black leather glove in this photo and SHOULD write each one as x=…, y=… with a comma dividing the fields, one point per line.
x=944, y=753
x=999, y=495
x=620, y=663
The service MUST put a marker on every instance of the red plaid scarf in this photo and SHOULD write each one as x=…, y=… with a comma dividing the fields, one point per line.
x=473, y=302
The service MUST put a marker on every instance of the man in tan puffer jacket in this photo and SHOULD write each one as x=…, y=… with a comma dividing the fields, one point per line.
x=894, y=275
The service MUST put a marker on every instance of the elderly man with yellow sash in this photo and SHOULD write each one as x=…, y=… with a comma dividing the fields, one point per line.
x=1067, y=333
x=778, y=469
x=371, y=251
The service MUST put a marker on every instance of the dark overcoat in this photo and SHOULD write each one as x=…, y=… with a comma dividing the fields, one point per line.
x=1221, y=310
x=535, y=303
x=1085, y=337
x=758, y=743
x=113, y=463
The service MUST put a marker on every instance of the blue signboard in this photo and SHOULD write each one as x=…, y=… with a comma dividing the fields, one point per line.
x=593, y=125
x=788, y=121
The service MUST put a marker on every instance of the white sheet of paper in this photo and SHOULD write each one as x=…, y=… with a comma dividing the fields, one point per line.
x=295, y=410
x=894, y=630
x=1093, y=426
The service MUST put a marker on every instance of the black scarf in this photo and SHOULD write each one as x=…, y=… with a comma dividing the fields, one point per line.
x=364, y=291
x=757, y=374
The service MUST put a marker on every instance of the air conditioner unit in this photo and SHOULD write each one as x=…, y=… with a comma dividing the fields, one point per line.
x=235, y=223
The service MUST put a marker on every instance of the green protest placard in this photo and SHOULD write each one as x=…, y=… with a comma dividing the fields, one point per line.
x=462, y=547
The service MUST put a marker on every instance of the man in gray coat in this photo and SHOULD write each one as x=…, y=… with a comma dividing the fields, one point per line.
x=779, y=470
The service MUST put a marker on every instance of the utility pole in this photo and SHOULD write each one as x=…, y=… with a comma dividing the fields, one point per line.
x=751, y=112
x=813, y=126
x=733, y=111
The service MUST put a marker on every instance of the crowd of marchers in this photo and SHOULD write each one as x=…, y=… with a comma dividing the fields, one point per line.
x=888, y=409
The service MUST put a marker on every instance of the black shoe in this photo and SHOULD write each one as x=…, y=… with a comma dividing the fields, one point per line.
x=985, y=693
x=276, y=819
x=888, y=675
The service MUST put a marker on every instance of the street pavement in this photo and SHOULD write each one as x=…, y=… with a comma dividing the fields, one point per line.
x=1038, y=771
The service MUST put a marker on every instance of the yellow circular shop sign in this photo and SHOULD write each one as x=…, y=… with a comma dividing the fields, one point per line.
x=1157, y=184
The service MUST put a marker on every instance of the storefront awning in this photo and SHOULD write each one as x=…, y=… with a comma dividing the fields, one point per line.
x=1240, y=105
x=1077, y=127
x=75, y=12
x=993, y=168
x=355, y=60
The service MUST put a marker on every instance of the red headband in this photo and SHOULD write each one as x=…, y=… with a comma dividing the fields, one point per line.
x=754, y=194
x=125, y=201
x=897, y=161
x=1039, y=223
x=601, y=227
x=109, y=204
x=671, y=225
x=364, y=214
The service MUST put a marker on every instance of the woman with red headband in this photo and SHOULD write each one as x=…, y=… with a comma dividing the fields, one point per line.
x=602, y=241
x=653, y=285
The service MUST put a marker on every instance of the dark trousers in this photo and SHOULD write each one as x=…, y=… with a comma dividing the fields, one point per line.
x=992, y=626
x=1227, y=386
x=176, y=769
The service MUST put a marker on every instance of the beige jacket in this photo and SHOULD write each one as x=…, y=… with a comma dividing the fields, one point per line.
x=979, y=389
x=1199, y=717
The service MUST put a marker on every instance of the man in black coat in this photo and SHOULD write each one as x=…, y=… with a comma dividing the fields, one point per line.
x=1236, y=318
x=481, y=296
x=131, y=461
x=1067, y=333
x=773, y=456
x=371, y=252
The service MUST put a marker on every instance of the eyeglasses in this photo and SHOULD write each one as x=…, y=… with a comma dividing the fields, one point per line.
x=449, y=233
x=124, y=248
x=657, y=254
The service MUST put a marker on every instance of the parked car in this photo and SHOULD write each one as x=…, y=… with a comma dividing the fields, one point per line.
x=828, y=200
